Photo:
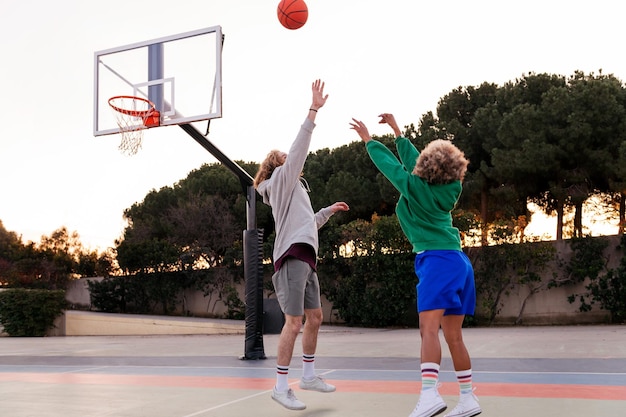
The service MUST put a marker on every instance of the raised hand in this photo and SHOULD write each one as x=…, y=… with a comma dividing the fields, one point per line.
x=319, y=99
x=361, y=129
x=389, y=119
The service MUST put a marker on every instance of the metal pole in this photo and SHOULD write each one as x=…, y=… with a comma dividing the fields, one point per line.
x=252, y=251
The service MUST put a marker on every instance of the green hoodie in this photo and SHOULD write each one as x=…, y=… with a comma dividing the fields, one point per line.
x=424, y=209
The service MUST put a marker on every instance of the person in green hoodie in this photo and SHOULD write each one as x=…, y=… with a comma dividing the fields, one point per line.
x=429, y=183
x=279, y=181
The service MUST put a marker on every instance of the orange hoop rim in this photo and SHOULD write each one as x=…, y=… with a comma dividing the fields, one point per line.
x=133, y=113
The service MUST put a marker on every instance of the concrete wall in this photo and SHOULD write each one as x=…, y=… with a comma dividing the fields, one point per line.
x=89, y=323
x=194, y=302
x=548, y=306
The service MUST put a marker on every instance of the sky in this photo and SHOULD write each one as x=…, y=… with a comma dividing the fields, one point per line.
x=395, y=56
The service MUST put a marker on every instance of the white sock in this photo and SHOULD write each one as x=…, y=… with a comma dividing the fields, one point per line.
x=308, y=366
x=430, y=375
x=282, y=378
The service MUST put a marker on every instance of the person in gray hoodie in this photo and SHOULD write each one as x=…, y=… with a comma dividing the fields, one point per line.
x=279, y=181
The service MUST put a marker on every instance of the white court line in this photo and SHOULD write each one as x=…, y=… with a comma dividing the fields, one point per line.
x=206, y=410
x=84, y=370
x=113, y=367
x=71, y=371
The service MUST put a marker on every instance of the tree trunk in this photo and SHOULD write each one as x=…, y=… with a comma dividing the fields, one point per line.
x=578, y=220
x=559, y=222
x=484, y=198
x=622, y=213
x=531, y=291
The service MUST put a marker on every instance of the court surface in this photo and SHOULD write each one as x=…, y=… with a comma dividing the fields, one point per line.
x=521, y=371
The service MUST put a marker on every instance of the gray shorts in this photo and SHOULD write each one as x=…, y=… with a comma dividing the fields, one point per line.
x=297, y=287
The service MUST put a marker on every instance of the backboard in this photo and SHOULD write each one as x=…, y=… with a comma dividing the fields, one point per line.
x=181, y=74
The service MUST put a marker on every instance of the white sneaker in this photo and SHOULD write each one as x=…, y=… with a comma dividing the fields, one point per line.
x=317, y=384
x=430, y=404
x=467, y=406
x=287, y=399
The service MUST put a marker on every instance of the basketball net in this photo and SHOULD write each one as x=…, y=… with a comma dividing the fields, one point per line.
x=133, y=115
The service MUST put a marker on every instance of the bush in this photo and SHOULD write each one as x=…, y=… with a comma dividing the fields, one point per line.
x=372, y=291
x=142, y=293
x=162, y=292
x=607, y=289
x=610, y=291
x=25, y=312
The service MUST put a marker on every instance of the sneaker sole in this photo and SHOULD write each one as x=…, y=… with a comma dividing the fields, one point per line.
x=473, y=413
x=441, y=410
x=307, y=388
x=316, y=390
x=287, y=407
x=445, y=407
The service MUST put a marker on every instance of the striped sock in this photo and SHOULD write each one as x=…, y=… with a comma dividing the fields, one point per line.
x=282, y=378
x=308, y=366
x=465, y=381
x=430, y=375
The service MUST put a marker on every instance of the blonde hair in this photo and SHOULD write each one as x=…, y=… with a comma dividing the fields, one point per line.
x=441, y=163
x=267, y=167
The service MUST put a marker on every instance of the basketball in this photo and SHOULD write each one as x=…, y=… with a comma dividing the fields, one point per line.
x=292, y=14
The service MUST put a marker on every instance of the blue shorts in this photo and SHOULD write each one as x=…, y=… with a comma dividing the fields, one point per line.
x=446, y=281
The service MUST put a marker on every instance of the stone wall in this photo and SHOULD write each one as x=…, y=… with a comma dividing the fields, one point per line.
x=549, y=306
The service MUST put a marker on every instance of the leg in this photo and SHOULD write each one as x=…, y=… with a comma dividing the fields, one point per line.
x=310, y=381
x=289, y=282
x=287, y=339
x=311, y=329
x=430, y=402
x=430, y=321
x=452, y=330
x=281, y=392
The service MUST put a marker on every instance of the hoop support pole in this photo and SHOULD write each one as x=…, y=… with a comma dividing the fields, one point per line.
x=252, y=252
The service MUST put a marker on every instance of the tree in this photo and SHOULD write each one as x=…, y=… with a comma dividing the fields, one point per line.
x=11, y=249
x=52, y=263
x=203, y=227
x=544, y=138
x=456, y=113
x=347, y=174
x=192, y=224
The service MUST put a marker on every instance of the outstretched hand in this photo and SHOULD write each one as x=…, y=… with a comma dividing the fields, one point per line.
x=361, y=129
x=339, y=206
x=319, y=99
x=388, y=118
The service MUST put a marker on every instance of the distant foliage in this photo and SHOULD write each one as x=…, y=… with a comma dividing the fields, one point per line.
x=52, y=264
x=374, y=290
x=605, y=287
x=500, y=269
x=371, y=282
x=30, y=313
x=163, y=292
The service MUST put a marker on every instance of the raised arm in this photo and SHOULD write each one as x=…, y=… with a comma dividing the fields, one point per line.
x=406, y=151
x=319, y=99
x=294, y=162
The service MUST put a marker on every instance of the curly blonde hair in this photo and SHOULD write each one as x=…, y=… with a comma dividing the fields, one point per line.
x=441, y=163
x=273, y=160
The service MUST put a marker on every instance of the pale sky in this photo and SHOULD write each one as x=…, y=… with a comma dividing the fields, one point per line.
x=397, y=56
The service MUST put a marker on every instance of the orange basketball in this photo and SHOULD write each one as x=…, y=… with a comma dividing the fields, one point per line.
x=292, y=14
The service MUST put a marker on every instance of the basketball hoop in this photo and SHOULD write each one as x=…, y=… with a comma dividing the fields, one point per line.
x=133, y=116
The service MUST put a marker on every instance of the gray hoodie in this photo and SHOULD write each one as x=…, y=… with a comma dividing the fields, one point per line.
x=294, y=218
